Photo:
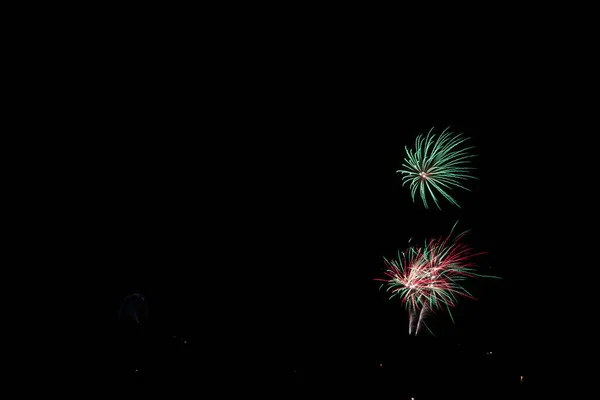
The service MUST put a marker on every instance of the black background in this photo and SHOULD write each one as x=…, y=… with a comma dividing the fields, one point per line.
x=247, y=186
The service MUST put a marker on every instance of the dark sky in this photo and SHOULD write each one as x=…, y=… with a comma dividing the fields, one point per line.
x=253, y=207
x=273, y=226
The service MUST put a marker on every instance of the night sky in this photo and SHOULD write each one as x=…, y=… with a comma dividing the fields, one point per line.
x=266, y=241
x=253, y=210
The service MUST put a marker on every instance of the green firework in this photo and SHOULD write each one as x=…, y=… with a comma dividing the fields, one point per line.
x=437, y=165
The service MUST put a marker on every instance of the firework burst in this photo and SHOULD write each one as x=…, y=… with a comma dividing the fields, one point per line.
x=429, y=278
x=437, y=165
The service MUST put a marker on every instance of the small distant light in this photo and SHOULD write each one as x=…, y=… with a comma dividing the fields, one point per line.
x=521, y=378
x=185, y=341
x=380, y=365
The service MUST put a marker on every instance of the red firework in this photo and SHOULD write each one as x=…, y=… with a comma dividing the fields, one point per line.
x=428, y=278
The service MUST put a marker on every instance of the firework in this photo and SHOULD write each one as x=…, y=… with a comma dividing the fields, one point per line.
x=429, y=278
x=437, y=165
